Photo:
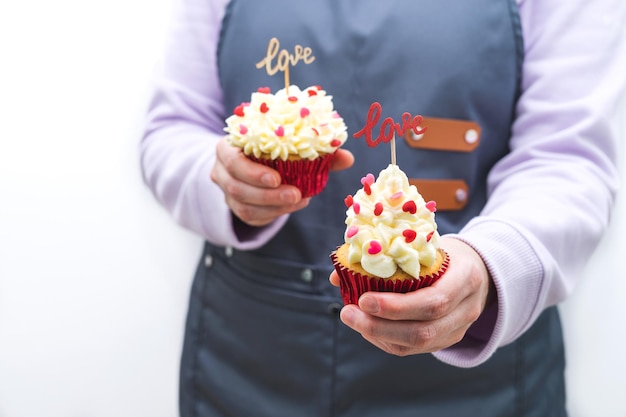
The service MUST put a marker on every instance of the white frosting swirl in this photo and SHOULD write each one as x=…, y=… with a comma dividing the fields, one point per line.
x=391, y=226
x=293, y=122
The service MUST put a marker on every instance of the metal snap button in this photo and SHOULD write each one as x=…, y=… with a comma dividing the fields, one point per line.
x=208, y=261
x=460, y=195
x=471, y=136
x=334, y=308
x=306, y=275
x=228, y=251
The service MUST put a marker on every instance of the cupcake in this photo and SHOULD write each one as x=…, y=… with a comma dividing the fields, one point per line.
x=294, y=131
x=391, y=239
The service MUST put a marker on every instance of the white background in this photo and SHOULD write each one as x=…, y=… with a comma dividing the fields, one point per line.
x=94, y=275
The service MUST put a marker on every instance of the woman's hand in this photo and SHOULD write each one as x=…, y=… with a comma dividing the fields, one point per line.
x=253, y=191
x=431, y=318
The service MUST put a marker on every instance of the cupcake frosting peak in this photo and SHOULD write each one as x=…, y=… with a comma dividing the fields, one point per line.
x=389, y=225
x=292, y=122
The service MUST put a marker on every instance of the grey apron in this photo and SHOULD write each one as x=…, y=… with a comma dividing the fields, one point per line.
x=263, y=336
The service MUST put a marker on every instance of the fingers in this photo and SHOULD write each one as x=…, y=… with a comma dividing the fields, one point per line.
x=253, y=191
x=429, y=319
x=342, y=159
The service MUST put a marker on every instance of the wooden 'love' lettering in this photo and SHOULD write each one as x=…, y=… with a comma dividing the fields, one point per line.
x=277, y=59
x=389, y=127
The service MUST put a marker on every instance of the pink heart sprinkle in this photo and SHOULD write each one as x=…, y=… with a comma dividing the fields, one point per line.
x=378, y=209
x=369, y=179
x=304, y=112
x=409, y=235
x=336, y=115
x=264, y=90
x=374, y=248
x=280, y=131
x=243, y=129
x=431, y=206
x=264, y=108
x=352, y=230
x=409, y=207
x=356, y=207
x=397, y=195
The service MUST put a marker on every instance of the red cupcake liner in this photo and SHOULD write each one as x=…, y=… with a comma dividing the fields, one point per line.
x=352, y=284
x=310, y=176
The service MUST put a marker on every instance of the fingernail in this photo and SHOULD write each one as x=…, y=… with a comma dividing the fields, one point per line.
x=347, y=316
x=269, y=180
x=288, y=196
x=368, y=304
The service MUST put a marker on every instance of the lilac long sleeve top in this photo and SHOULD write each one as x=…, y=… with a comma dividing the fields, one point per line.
x=550, y=198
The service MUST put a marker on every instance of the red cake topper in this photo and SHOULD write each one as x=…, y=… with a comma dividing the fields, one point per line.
x=388, y=128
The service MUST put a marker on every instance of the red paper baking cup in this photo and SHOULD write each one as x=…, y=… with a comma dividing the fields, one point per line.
x=310, y=176
x=353, y=284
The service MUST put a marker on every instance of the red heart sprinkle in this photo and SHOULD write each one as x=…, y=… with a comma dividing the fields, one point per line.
x=409, y=235
x=409, y=207
x=293, y=99
x=348, y=201
x=335, y=142
x=429, y=236
x=264, y=108
x=312, y=93
x=374, y=248
x=264, y=90
x=304, y=112
x=431, y=206
x=239, y=110
x=378, y=209
x=318, y=87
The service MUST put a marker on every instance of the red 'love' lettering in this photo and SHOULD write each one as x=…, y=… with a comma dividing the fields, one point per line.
x=388, y=127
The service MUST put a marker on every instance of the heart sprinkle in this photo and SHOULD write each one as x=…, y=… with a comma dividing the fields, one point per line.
x=348, y=201
x=352, y=230
x=374, y=248
x=409, y=235
x=264, y=90
x=280, y=131
x=304, y=112
x=431, y=206
x=409, y=207
x=378, y=209
x=264, y=108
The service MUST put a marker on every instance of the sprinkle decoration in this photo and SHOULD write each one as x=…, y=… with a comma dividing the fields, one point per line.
x=348, y=201
x=430, y=236
x=409, y=235
x=239, y=110
x=264, y=108
x=264, y=90
x=356, y=207
x=280, y=131
x=243, y=129
x=374, y=248
x=304, y=112
x=409, y=207
x=335, y=142
x=352, y=231
x=367, y=181
x=431, y=206
x=312, y=93
x=293, y=99
x=378, y=209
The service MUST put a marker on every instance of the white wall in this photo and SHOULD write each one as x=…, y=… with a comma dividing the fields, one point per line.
x=94, y=275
